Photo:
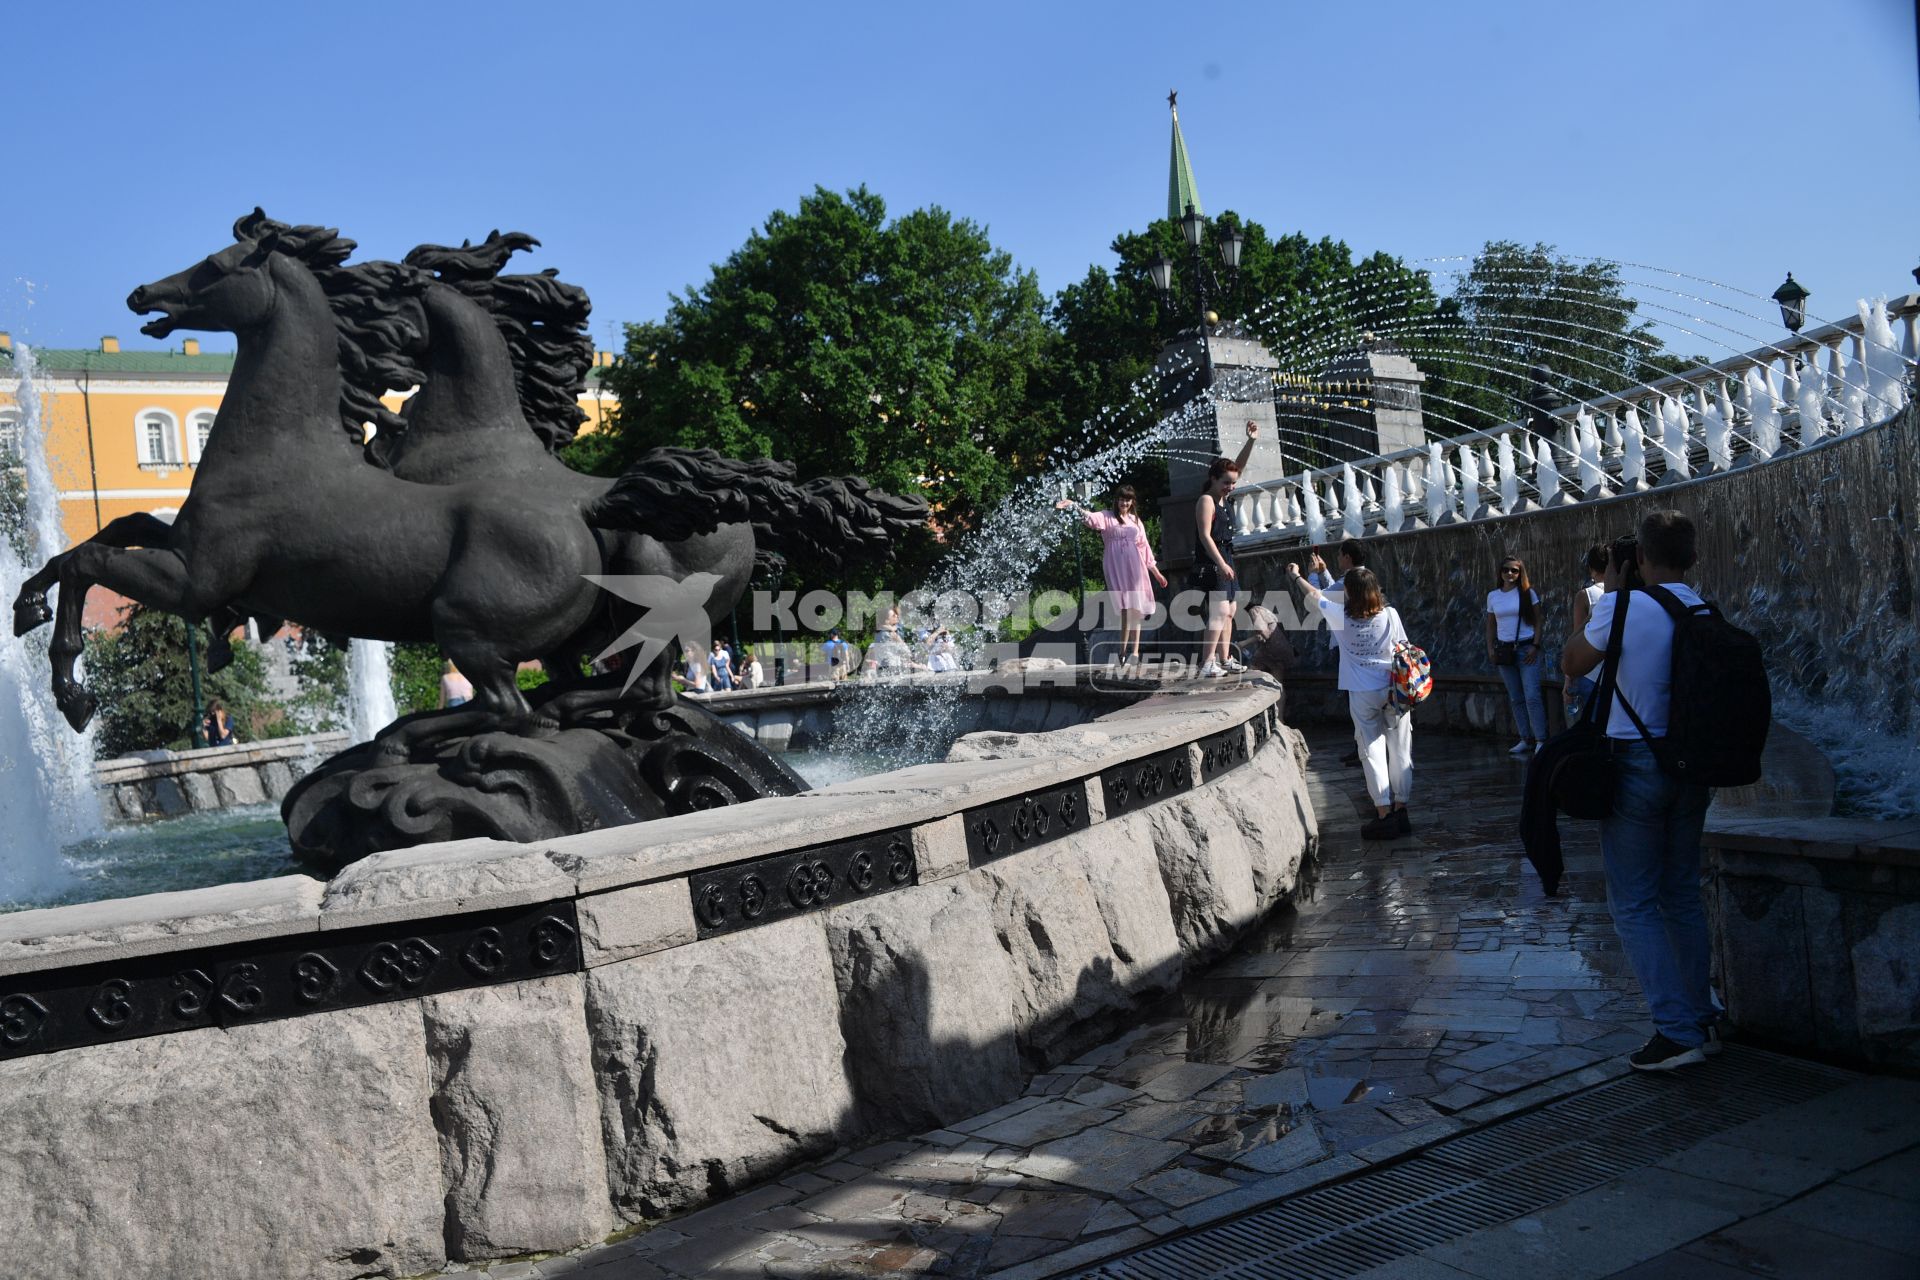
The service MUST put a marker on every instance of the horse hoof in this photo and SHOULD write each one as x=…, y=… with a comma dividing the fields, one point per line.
x=78, y=706
x=30, y=612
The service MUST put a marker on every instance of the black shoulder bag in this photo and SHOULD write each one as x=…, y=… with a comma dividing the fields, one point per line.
x=1579, y=761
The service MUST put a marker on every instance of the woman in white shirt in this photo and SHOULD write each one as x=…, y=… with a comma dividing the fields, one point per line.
x=1513, y=647
x=1370, y=631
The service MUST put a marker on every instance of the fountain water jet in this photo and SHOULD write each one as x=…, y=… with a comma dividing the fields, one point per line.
x=47, y=797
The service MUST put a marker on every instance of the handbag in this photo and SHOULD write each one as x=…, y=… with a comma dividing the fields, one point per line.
x=1580, y=760
x=1506, y=653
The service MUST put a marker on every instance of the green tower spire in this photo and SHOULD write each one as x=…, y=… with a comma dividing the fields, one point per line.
x=1181, y=188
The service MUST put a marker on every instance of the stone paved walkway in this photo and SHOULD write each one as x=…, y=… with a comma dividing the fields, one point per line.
x=1421, y=988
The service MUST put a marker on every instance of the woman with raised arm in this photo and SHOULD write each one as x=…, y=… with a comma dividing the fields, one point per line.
x=1573, y=694
x=1370, y=631
x=1213, y=570
x=1127, y=561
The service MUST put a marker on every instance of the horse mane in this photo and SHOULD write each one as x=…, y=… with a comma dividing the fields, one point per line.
x=375, y=328
x=543, y=319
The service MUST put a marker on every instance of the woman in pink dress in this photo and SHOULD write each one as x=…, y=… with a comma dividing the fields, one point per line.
x=1128, y=563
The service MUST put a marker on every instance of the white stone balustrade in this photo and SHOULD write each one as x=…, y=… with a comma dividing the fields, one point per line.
x=1748, y=408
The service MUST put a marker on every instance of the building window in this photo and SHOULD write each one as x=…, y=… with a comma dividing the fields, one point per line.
x=158, y=438
x=11, y=436
x=199, y=427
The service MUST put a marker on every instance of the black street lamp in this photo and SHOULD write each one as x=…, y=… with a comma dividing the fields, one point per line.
x=1193, y=226
x=1792, y=298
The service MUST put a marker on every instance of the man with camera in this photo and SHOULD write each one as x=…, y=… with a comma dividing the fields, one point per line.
x=1650, y=841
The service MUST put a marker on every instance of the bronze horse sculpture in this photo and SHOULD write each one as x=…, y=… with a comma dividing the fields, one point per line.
x=492, y=560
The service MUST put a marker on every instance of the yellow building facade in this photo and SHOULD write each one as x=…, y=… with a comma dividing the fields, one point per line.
x=124, y=429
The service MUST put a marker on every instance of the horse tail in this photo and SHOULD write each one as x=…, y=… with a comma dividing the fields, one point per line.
x=825, y=523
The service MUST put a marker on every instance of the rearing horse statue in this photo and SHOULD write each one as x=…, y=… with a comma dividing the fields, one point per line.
x=286, y=519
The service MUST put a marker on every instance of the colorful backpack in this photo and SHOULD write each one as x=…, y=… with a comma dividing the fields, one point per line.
x=1411, y=679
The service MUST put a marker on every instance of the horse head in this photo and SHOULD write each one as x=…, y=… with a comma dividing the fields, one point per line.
x=237, y=288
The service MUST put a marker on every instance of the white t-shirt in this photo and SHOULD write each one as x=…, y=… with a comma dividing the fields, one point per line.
x=1504, y=604
x=1593, y=591
x=1366, y=647
x=1646, y=658
x=1334, y=589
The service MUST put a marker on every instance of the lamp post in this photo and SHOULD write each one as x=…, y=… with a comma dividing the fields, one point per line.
x=197, y=734
x=1792, y=297
x=1193, y=227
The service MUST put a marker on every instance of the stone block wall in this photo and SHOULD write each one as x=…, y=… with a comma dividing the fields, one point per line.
x=211, y=778
x=481, y=1050
x=1816, y=926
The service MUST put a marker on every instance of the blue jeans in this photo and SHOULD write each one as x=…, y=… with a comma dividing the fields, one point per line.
x=1651, y=848
x=1523, y=691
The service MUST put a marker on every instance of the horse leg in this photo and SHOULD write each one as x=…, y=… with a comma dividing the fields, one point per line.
x=156, y=578
x=30, y=607
x=220, y=640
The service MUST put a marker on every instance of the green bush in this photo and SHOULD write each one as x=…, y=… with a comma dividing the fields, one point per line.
x=139, y=673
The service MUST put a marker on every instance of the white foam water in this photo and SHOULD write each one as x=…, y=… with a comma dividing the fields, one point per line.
x=47, y=796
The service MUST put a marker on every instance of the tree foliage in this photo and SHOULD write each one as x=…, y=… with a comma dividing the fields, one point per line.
x=898, y=350
x=139, y=673
x=1518, y=307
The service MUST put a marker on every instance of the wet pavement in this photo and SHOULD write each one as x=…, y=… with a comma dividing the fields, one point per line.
x=1419, y=988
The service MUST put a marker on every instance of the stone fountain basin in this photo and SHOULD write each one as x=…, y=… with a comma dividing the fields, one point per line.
x=481, y=1049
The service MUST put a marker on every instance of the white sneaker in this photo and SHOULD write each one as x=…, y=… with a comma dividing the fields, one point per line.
x=1211, y=669
x=1537, y=746
x=1235, y=666
x=1519, y=748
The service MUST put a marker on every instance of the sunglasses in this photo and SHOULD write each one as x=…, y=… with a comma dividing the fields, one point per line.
x=1510, y=570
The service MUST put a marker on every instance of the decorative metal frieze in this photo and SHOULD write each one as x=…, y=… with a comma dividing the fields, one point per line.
x=1262, y=730
x=788, y=884
x=274, y=978
x=1220, y=752
x=1139, y=783
x=1011, y=826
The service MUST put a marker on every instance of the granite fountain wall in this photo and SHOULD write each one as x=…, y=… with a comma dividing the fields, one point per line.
x=481, y=1049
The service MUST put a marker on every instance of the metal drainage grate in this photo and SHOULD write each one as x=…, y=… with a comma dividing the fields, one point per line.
x=1510, y=1168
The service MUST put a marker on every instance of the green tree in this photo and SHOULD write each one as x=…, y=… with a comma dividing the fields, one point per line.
x=899, y=350
x=1518, y=307
x=415, y=675
x=139, y=673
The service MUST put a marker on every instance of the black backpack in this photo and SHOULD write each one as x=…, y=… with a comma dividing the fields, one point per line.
x=1721, y=705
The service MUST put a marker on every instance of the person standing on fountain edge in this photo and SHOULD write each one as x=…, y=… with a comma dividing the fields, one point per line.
x=1213, y=570
x=1650, y=841
x=1127, y=561
x=1371, y=631
x=1513, y=647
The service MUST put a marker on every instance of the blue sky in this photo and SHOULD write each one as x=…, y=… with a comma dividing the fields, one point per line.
x=1729, y=141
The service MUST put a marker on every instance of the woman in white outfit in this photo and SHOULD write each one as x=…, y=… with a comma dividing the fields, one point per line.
x=1369, y=632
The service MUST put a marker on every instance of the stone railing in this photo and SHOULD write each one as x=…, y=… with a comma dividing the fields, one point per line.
x=1746, y=409
x=480, y=1049
x=210, y=778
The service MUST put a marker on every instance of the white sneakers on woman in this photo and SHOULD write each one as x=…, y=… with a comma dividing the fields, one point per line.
x=1520, y=748
x=1211, y=669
